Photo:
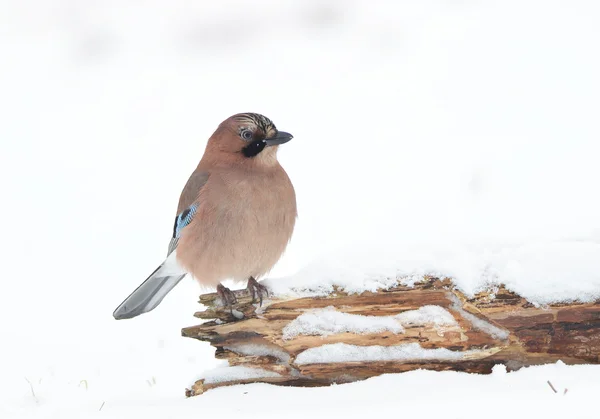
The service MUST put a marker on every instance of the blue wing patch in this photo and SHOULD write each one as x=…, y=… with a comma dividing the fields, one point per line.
x=184, y=219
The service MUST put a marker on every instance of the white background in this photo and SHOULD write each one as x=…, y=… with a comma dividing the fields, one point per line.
x=472, y=124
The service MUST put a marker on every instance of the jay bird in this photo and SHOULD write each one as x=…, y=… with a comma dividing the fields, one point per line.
x=235, y=217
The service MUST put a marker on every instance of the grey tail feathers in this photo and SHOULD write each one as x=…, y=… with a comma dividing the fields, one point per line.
x=150, y=293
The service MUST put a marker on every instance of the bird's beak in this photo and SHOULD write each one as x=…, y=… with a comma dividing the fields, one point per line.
x=280, y=138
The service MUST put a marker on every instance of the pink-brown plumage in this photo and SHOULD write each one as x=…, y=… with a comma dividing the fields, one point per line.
x=244, y=221
x=244, y=211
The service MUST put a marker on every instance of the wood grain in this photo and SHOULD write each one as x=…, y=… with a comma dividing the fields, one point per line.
x=527, y=335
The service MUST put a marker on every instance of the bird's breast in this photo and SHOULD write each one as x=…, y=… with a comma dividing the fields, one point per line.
x=265, y=206
x=243, y=226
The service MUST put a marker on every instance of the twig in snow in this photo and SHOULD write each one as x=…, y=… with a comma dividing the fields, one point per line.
x=101, y=406
x=551, y=386
x=32, y=391
x=565, y=392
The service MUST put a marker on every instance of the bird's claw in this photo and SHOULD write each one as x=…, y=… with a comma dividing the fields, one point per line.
x=227, y=297
x=255, y=289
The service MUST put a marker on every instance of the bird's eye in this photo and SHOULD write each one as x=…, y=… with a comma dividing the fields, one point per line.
x=246, y=134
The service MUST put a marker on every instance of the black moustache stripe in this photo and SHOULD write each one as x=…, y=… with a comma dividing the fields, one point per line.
x=254, y=148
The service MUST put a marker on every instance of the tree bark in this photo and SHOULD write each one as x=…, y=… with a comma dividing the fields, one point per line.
x=495, y=327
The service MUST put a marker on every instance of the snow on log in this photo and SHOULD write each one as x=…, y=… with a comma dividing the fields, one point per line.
x=341, y=337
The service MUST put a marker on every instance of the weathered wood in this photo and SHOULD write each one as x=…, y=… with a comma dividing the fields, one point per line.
x=495, y=327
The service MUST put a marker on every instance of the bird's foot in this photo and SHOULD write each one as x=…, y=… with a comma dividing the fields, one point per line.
x=255, y=289
x=227, y=296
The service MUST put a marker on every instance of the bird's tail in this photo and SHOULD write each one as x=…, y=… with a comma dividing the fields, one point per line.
x=151, y=292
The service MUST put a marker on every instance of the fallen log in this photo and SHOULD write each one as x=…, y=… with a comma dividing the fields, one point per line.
x=340, y=338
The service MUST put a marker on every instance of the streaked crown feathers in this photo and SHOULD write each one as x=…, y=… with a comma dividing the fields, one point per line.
x=260, y=121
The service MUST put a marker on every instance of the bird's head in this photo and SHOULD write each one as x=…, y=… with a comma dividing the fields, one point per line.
x=248, y=136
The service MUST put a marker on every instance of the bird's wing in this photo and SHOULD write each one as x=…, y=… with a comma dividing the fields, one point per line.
x=151, y=292
x=188, y=204
x=182, y=220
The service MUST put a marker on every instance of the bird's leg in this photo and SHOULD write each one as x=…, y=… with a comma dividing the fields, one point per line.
x=255, y=288
x=227, y=296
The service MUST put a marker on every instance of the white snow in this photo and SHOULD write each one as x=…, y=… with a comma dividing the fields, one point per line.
x=478, y=323
x=543, y=272
x=456, y=138
x=429, y=314
x=222, y=374
x=343, y=352
x=237, y=314
x=329, y=321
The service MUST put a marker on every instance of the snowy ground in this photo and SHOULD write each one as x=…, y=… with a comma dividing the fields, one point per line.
x=457, y=137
